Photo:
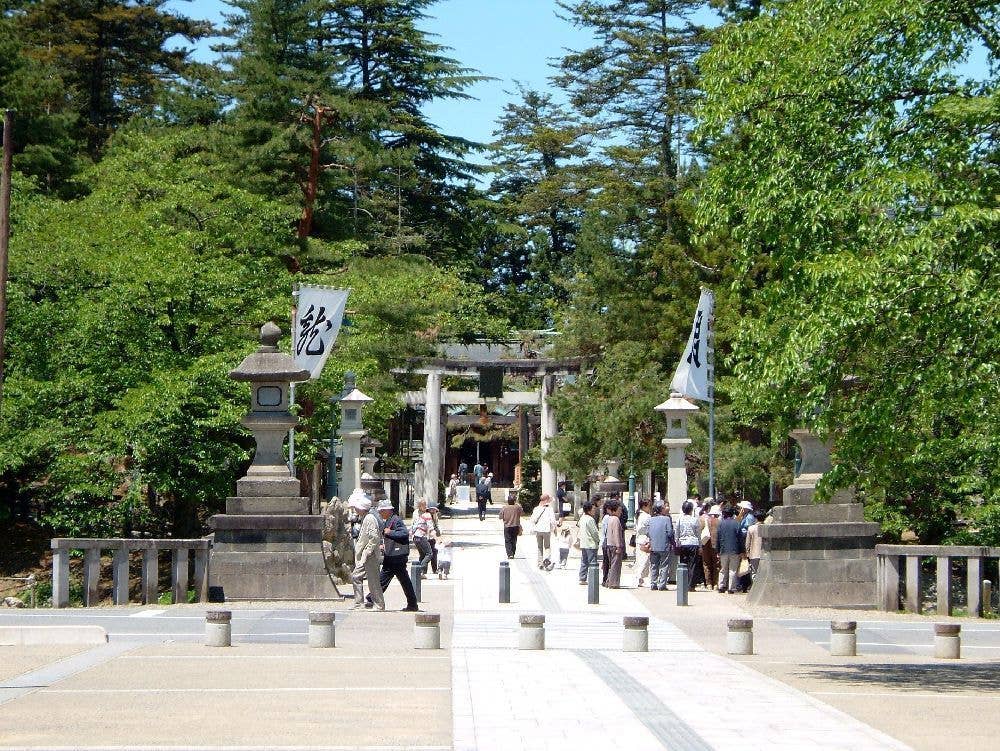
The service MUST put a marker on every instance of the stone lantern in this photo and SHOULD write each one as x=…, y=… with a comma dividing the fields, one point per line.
x=369, y=483
x=611, y=486
x=352, y=430
x=676, y=409
x=267, y=545
x=269, y=373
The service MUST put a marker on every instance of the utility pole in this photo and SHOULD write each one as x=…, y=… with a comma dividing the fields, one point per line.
x=8, y=151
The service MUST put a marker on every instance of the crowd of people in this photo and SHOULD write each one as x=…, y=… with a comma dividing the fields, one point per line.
x=719, y=544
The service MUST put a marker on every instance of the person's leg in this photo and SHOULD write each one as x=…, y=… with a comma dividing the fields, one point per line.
x=724, y=582
x=434, y=555
x=398, y=569
x=605, y=565
x=584, y=562
x=563, y=557
x=424, y=548
x=445, y=568
x=510, y=540
x=374, y=584
x=538, y=542
x=657, y=575
x=615, y=567
x=357, y=580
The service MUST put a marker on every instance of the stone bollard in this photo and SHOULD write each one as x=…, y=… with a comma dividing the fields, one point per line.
x=593, y=585
x=987, y=597
x=739, y=638
x=636, y=637
x=415, y=571
x=218, y=628
x=682, y=584
x=843, y=639
x=947, y=641
x=427, y=631
x=532, y=634
x=504, y=582
x=322, y=630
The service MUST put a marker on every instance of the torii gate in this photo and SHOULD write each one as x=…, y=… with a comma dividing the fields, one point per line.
x=434, y=399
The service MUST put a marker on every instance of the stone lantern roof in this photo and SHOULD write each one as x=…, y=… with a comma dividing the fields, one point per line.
x=676, y=404
x=268, y=364
x=356, y=396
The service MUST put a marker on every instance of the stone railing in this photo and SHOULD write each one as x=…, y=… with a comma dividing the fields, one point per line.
x=895, y=561
x=122, y=547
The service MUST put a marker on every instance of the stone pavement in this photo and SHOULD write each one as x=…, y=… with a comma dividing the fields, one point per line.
x=155, y=685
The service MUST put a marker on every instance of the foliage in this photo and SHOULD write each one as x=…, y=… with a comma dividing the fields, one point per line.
x=856, y=172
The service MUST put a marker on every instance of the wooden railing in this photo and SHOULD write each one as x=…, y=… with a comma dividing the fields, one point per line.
x=896, y=562
x=122, y=547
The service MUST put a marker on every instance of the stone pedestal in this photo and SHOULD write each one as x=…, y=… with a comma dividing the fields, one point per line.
x=267, y=546
x=816, y=554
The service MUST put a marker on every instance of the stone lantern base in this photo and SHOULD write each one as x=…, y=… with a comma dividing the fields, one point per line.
x=817, y=555
x=268, y=548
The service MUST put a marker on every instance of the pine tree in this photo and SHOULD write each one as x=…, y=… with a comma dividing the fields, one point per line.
x=112, y=55
x=536, y=160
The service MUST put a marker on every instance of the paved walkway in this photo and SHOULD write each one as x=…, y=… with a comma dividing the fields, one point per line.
x=584, y=692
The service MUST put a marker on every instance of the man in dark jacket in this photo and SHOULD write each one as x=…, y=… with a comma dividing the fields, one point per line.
x=396, y=550
x=730, y=549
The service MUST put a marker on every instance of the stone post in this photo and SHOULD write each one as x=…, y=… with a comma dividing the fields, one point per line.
x=60, y=576
x=948, y=641
x=218, y=628
x=739, y=636
x=636, y=637
x=201, y=557
x=427, y=631
x=322, y=630
x=150, y=576
x=91, y=576
x=843, y=638
x=432, y=439
x=548, y=432
x=179, y=574
x=532, y=634
x=120, y=576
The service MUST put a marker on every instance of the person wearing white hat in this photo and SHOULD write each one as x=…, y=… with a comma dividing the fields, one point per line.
x=367, y=556
x=708, y=535
x=543, y=521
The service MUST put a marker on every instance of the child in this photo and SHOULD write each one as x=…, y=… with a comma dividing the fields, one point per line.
x=444, y=558
x=564, y=538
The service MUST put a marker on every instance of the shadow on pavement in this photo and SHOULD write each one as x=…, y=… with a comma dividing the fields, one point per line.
x=963, y=677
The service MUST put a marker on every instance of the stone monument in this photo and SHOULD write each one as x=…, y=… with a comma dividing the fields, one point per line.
x=816, y=554
x=267, y=545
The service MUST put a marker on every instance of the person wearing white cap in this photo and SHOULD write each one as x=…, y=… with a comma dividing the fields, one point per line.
x=543, y=520
x=366, y=552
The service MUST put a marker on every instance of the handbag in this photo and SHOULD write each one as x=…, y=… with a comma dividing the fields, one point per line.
x=744, y=568
x=631, y=541
x=646, y=547
x=706, y=534
x=520, y=530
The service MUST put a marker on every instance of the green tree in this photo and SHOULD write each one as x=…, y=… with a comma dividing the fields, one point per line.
x=111, y=55
x=537, y=186
x=856, y=172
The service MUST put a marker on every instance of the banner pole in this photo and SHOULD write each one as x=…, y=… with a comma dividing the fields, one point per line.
x=291, y=389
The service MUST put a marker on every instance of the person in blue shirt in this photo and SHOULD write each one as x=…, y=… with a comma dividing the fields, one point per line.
x=661, y=545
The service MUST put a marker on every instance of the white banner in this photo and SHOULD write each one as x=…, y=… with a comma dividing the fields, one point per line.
x=694, y=376
x=317, y=323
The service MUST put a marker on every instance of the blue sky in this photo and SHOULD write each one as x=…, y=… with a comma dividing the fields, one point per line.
x=509, y=40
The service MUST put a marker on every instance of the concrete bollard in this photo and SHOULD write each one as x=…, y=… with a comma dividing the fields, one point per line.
x=636, y=638
x=739, y=637
x=843, y=639
x=593, y=585
x=415, y=571
x=682, y=584
x=948, y=641
x=218, y=628
x=532, y=635
x=504, y=582
x=987, y=597
x=427, y=631
x=322, y=630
